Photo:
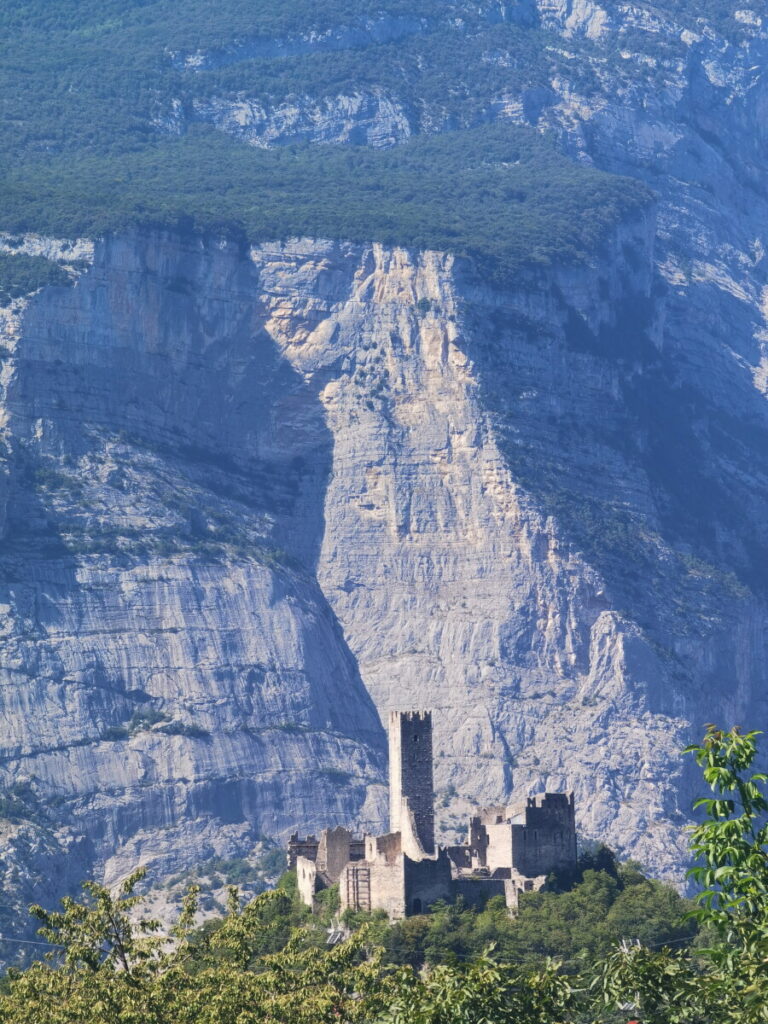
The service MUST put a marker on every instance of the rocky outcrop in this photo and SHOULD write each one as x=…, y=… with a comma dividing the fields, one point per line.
x=365, y=118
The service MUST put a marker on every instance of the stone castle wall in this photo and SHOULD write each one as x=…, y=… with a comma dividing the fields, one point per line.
x=475, y=892
x=510, y=849
x=411, y=785
x=547, y=841
x=426, y=881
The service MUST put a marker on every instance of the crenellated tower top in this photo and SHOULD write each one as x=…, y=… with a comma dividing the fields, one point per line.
x=411, y=784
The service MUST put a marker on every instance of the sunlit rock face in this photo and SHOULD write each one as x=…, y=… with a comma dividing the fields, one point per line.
x=479, y=436
x=253, y=499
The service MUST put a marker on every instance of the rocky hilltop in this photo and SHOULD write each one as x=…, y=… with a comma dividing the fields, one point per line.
x=254, y=496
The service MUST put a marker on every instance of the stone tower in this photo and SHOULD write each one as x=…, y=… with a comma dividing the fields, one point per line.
x=411, y=787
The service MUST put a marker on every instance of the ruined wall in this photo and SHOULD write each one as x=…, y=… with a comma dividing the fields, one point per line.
x=461, y=856
x=388, y=846
x=306, y=875
x=475, y=892
x=499, y=849
x=298, y=847
x=548, y=839
x=334, y=851
x=426, y=881
x=374, y=885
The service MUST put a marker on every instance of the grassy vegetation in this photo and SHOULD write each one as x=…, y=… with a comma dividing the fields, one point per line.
x=191, y=24
x=483, y=62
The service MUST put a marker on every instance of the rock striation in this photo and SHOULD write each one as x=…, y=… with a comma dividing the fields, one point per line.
x=252, y=499
x=173, y=683
x=370, y=118
x=640, y=436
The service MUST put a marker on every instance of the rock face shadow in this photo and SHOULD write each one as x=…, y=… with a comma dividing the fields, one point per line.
x=655, y=478
x=169, y=657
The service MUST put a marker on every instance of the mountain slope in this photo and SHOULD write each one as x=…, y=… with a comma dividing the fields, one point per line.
x=497, y=446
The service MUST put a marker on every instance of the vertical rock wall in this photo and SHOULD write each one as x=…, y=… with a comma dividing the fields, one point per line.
x=465, y=586
x=250, y=495
x=173, y=684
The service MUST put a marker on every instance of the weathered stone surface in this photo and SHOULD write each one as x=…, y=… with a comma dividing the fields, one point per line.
x=244, y=493
x=369, y=118
x=173, y=682
x=660, y=419
x=457, y=587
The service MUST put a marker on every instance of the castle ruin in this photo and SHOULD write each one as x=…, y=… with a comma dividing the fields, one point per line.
x=510, y=848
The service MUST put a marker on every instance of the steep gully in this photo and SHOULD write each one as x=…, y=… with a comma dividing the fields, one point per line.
x=246, y=490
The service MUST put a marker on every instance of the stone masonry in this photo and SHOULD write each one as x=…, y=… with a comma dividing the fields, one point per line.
x=509, y=850
x=411, y=785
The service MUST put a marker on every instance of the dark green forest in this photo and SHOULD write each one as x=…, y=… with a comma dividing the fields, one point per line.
x=86, y=89
x=499, y=195
x=606, y=903
x=88, y=142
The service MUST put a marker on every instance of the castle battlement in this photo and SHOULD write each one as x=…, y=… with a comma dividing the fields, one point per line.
x=510, y=849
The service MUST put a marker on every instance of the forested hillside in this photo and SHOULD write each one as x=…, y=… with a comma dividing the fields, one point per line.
x=97, y=154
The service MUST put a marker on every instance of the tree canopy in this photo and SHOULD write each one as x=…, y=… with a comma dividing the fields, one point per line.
x=267, y=962
x=101, y=128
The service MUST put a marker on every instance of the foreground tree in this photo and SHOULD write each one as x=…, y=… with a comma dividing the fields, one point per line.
x=732, y=847
x=726, y=983
x=482, y=992
x=108, y=970
x=254, y=967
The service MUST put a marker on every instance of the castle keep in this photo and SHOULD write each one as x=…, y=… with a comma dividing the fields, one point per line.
x=411, y=786
x=509, y=849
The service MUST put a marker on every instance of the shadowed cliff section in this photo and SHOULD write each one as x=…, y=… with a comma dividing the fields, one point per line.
x=692, y=523
x=643, y=475
x=170, y=667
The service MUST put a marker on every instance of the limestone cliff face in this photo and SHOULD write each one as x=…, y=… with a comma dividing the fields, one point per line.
x=249, y=495
x=250, y=500
x=173, y=682
x=458, y=584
